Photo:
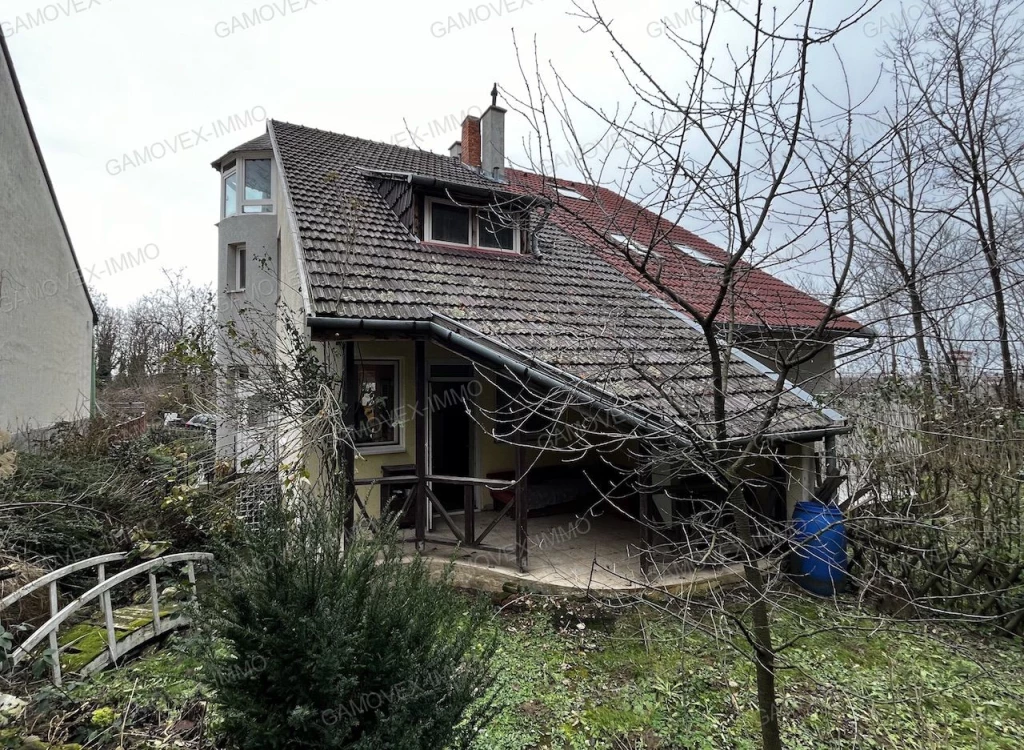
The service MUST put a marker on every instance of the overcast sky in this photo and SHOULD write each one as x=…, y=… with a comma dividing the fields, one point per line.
x=106, y=78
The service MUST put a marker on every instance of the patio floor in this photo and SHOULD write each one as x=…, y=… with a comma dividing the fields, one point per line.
x=568, y=553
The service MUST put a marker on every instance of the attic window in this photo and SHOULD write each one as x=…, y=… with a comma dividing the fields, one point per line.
x=568, y=192
x=626, y=242
x=697, y=255
x=468, y=226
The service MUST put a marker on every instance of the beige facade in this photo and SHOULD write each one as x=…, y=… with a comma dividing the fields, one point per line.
x=46, y=318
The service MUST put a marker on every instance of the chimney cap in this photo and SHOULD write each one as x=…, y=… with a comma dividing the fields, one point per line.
x=494, y=95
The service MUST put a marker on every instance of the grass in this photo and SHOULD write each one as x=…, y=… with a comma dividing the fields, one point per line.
x=630, y=679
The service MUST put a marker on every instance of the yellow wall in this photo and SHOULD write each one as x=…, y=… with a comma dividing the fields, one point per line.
x=487, y=454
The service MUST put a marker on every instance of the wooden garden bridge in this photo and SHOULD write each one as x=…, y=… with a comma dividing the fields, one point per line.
x=119, y=632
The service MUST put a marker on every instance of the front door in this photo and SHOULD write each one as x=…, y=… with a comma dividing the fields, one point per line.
x=451, y=440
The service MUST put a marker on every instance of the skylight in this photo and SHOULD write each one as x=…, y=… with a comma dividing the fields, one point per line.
x=630, y=245
x=621, y=239
x=568, y=192
x=697, y=255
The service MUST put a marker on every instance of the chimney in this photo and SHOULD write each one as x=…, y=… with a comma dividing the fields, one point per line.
x=455, y=150
x=492, y=139
x=471, y=141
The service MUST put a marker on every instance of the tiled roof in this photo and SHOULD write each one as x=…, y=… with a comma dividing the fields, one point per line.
x=259, y=143
x=758, y=298
x=566, y=307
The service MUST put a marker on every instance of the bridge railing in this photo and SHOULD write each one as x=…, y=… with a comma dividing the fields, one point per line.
x=101, y=591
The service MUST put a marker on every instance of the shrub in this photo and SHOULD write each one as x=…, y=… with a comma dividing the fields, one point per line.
x=308, y=646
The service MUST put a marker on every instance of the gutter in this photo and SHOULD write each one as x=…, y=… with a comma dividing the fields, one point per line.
x=797, y=391
x=449, y=186
x=491, y=355
x=477, y=351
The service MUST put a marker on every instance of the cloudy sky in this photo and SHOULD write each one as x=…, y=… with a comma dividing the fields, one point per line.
x=105, y=79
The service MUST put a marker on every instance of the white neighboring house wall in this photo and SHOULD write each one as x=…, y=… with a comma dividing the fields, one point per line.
x=46, y=316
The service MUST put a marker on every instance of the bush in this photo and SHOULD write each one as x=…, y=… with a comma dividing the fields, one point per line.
x=306, y=646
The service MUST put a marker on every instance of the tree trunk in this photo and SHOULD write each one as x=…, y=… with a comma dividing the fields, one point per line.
x=760, y=630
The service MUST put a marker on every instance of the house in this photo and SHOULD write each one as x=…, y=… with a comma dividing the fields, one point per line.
x=46, y=314
x=467, y=320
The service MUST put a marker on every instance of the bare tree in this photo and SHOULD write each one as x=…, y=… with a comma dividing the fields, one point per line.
x=743, y=151
x=962, y=64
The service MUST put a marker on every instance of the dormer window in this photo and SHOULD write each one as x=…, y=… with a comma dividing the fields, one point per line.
x=255, y=178
x=468, y=226
x=495, y=233
x=449, y=223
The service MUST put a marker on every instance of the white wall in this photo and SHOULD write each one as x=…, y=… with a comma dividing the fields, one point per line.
x=46, y=324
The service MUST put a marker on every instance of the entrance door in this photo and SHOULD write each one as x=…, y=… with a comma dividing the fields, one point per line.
x=451, y=440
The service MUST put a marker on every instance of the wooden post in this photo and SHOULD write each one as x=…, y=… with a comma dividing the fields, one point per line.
x=646, y=527
x=54, y=645
x=522, y=539
x=108, y=617
x=190, y=568
x=350, y=385
x=154, y=594
x=469, y=509
x=420, y=375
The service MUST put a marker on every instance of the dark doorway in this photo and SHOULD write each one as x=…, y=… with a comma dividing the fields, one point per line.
x=451, y=440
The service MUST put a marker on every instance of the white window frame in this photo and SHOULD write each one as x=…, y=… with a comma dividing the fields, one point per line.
x=238, y=169
x=697, y=255
x=517, y=233
x=377, y=449
x=474, y=227
x=233, y=170
x=242, y=202
x=237, y=251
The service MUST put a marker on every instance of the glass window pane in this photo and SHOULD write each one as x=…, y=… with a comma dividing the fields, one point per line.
x=375, y=422
x=493, y=234
x=257, y=179
x=231, y=194
x=449, y=223
x=257, y=209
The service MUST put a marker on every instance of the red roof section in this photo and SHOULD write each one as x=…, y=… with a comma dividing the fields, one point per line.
x=760, y=299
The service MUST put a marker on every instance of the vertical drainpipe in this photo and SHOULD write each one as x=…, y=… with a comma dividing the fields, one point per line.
x=92, y=370
x=831, y=460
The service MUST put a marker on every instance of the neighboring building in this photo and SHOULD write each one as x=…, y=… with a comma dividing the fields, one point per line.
x=418, y=272
x=46, y=315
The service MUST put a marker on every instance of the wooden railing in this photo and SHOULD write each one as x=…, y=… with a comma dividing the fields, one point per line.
x=48, y=630
x=465, y=534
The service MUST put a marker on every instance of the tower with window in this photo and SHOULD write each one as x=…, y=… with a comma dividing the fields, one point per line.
x=247, y=294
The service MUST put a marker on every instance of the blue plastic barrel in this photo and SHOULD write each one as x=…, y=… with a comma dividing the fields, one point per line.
x=819, y=547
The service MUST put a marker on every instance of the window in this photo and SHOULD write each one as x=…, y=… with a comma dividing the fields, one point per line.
x=256, y=197
x=496, y=232
x=449, y=223
x=231, y=193
x=621, y=239
x=236, y=267
x=256, y=178
x=697, y=255
x=378, y=391
x=568, y=192
x=470, y=227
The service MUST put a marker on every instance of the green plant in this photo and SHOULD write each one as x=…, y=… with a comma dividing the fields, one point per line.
x=342, y=648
